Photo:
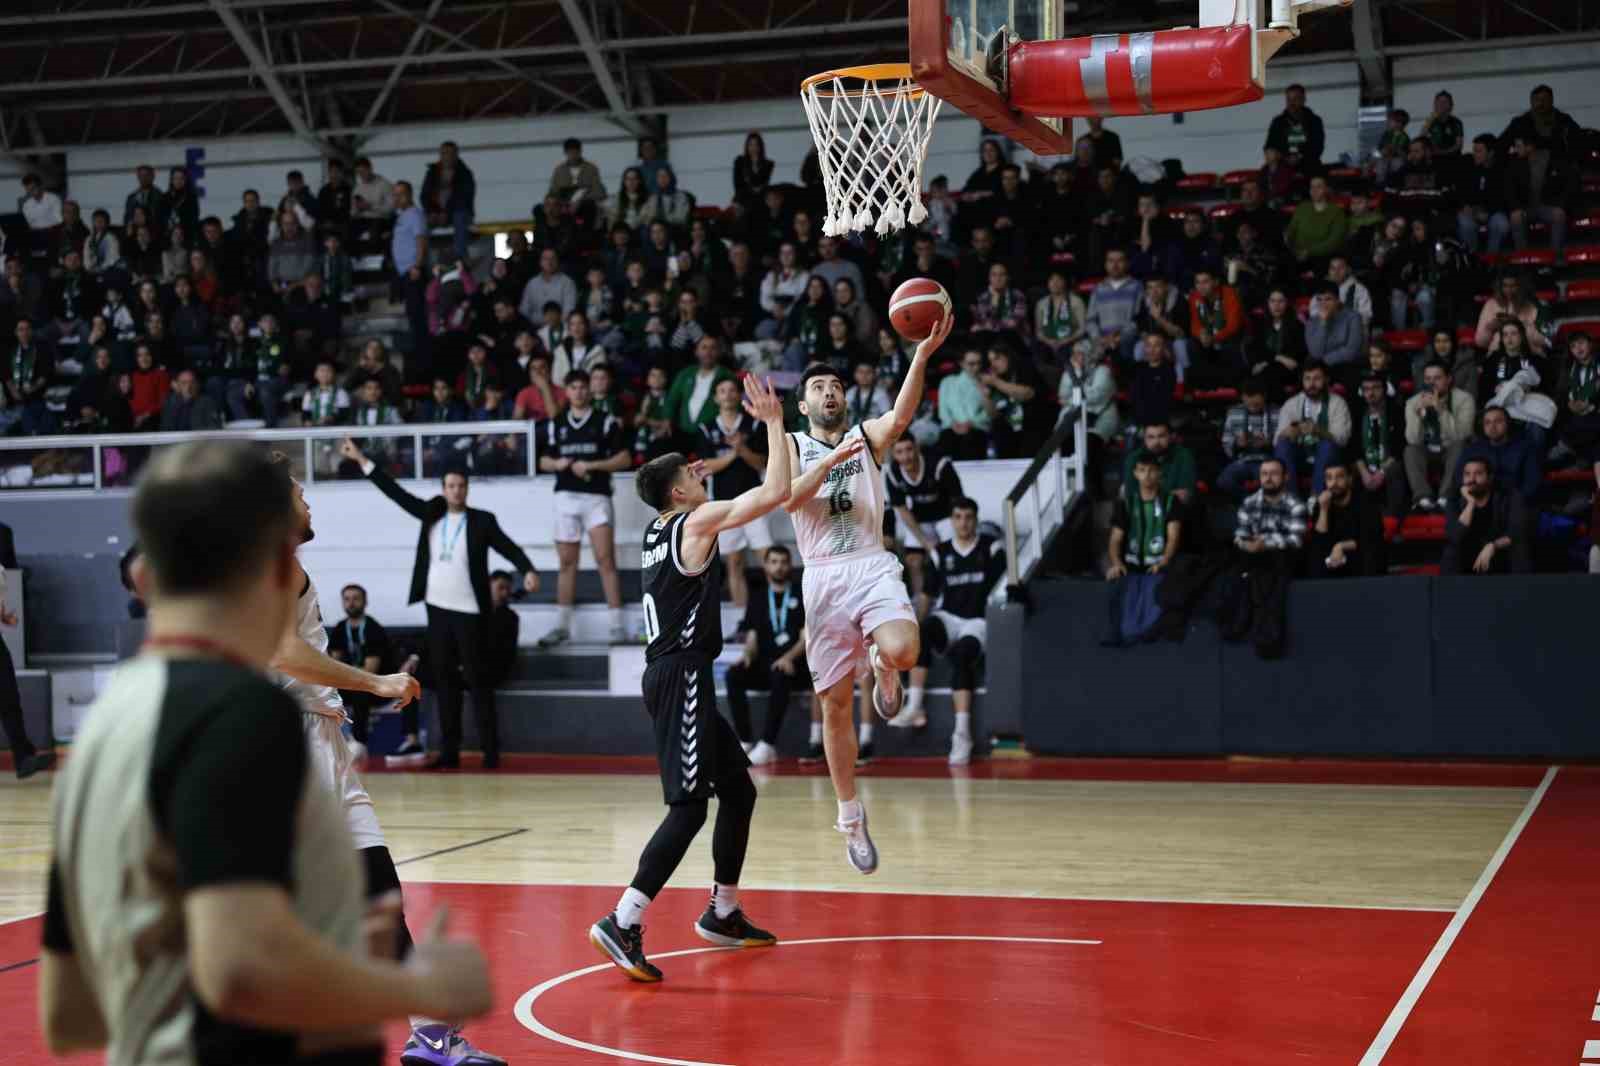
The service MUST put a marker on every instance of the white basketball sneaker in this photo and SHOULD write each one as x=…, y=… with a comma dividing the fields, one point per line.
x=763, y=754
x=960, y=749
x=858, y=845
x=886, y=691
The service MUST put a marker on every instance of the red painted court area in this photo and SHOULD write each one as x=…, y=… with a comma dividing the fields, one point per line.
x=1041, y=981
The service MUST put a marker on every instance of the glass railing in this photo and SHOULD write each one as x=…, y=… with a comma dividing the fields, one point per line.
x=1037, y=506
x=63, y=464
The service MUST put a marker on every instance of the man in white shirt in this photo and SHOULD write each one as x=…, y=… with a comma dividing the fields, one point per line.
x=1352, y=294
x=550, y=285
x=1314, y=425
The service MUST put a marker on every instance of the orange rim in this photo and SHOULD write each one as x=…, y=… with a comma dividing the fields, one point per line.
x=871, y=73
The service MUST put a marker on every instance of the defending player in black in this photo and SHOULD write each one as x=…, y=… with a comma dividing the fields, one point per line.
x=698, y=752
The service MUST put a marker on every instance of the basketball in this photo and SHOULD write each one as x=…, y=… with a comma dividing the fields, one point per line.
x=917, y=307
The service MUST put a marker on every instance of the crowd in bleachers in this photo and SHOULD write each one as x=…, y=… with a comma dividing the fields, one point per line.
x=1138, y=292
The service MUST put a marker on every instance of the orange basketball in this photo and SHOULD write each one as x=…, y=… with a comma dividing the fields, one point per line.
x=917, y=307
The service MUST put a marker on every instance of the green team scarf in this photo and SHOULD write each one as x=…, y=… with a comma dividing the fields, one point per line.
x=1059, y=323
x=1213, y=314
x=1432, y=430
x=22, y=364
x=1375, y=439
x=1322, y=419
x=269, y=355
x=1583, y=385
x=477, y=377
x=322, y=403
x=1147, y=529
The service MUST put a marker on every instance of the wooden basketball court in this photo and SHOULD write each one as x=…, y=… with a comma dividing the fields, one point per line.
x=1027, y=911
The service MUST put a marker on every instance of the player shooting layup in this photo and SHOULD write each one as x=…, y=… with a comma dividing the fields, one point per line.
x=698, y=752
x=855, y=596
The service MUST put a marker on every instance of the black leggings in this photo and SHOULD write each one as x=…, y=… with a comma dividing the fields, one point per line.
x=736, y=802
x=965, y=655
x=383, y=878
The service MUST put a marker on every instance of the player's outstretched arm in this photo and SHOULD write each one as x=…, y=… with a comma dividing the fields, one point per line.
x=883, y=431
x=803, y=489
x=302, y=662
x=711, y=518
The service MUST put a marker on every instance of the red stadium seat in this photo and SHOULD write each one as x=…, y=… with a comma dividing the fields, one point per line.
x=1214, y=396
x=1224, y=211
x=1063, y=259
x=1344, y=173
x=1529, y=257
x=1423, y=527
x=1590, y=220
x=1177, y=211
x=1424, y=570
x=1466, y=335
x=1302, y=305
x=1577, y=475
x=1588, y=254
x=1235, y=178
x=1198, y=181
x=1086, y=286
x=1549, y=296
x=1407, y=340
x=1572, y=325
x=1586, y=289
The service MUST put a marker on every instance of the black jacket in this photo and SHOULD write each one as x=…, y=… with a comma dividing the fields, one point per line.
x=1316, y=136
x=483, y=533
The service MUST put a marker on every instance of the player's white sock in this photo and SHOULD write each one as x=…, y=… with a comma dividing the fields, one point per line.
x=616, y=618
x=914, y=699
x=630, y=908
x=963, y=723
x=816, y=732
x=864, y=734
x=849, y=811
x=419, y=1020
x=565, y=616
x=725, y=898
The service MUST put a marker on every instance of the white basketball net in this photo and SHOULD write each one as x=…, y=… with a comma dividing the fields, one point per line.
x=872, y=137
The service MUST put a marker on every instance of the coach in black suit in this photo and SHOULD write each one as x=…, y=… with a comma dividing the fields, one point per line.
x=451, y=576
x=26, y=759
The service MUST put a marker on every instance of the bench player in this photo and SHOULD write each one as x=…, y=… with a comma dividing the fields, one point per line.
x=314, y=678
x=697, y=750
x=853, y=586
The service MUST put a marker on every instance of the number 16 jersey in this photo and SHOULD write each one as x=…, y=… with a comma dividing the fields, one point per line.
x=845, y=518
x=682, y=606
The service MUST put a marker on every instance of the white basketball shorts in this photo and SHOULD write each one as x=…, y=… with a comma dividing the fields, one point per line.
x=756, y=535
x=956, y=627
x=845, y=601
x=938, y=532
x=579, y=512
x=332, y=763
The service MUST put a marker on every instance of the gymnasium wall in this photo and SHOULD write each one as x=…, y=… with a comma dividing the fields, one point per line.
x=1493, y=667
x=513, y=158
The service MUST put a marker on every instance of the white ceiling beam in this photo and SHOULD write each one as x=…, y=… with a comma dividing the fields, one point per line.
x=579, y=22
x=262, y=69
x=423, y=25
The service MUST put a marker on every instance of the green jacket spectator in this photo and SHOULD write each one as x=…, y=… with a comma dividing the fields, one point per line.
x=691, y=398
x=1177, y=463
x=1319, y=227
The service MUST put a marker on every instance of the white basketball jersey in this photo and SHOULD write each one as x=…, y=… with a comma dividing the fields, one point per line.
x=845, y=517
x=313, y=699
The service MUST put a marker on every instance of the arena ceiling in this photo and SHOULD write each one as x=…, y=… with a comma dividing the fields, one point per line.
x=76, y=72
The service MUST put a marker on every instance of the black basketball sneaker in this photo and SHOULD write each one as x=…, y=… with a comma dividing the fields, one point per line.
x=625, y=947
x=814, y=754
x=734, y=931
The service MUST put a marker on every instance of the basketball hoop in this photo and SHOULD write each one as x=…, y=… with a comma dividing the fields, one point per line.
x=872, y=125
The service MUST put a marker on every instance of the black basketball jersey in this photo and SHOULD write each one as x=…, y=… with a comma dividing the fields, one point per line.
x=963, y=581
x=593, y=438
x=739, y=476
x=931, y=496
x=682, y=608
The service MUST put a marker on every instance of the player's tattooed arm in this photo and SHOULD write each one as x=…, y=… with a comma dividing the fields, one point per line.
x=884, y=430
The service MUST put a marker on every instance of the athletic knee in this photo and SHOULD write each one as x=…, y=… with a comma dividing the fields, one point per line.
x=737, y=791
x=899, y=649
x=687, y=816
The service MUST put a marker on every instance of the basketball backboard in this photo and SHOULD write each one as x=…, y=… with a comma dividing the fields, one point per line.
x=958, y=54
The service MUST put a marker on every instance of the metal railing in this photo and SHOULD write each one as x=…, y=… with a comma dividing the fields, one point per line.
x=66, y=464
x=1036, y=507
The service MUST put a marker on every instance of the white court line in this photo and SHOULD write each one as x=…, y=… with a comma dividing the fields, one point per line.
x=524, y=1008
x=1408, y=1000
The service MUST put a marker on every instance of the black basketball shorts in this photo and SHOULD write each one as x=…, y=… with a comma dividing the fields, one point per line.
x=695, y=746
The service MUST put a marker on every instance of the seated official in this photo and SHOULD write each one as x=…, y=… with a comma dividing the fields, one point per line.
x=774, y=655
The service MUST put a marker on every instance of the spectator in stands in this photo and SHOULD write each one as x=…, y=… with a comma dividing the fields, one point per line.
x=1313, y=427
x=102, y=250
x=830, y=267
x=1378, y=441
x=1393, y=144
x=1146, y=533
x=539, y=399
x=1155, y=381
x=1511, y=301
x=248, y=242
x=181, y=206
x=691, y=399
x=335, y=271
x=1578, y=399
x=41, y=209
x=1175, y=460
x=577, y=183
x=550, y=285
x=72, y=297
x=670, y=205
x=26, y=376
x=965, y=410
x=1060, y=321
x=151, y=382
x=735, y=460
x=1364, y=216
x=1298, y=132
x=847, y=301
x=1247, y=435
x=1009, y=211
x=784, y=284
x=1318, y=229
x=1353, y=295
x=1278, y=347
x=807, y=323
x=98, y=379
x=175, y=256
x=1439, y=420
x=1347, y=531
x=866, y=398
x=650, y=161
x=1255, y=267
x=1540, y=186
x=187, y=408
x=1114, y=304
x=1545, y=128
x=583, y=449
x=972, y=276
x=374, y=362
x=449, y=195
x=1487, y=531
x=773, y=657
x=1015, y=426
x=688, y=328
x=1391, y=255
x=1098, y=145
x=893, y=361
x=272, y=370
x=1196, y=249
x=232, y=365
x=1087, y=384
x=144, y=255
x=752, y=172
x=838, y=347
x=333, y=199
x=325, y=403
x=1216, y=331
x=1000, y=313
x=145, y=196
x=371, y=409
x=1061, y=219
x=476, y=376
x=1252, y=211
x=1155, y=252
x=372, y=197
x=1112, y=207
x=984, y=181
x=577, y=347
x=1446, y=136
x=925, y=262
x=1278, y=177
x=293, y=255
x=1513, y=458
x=298, y=200
x=1334, y=335
x=191, y=323
x=1269, y=532
x=1481, y=189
